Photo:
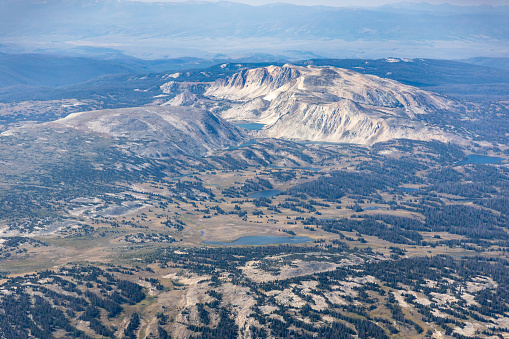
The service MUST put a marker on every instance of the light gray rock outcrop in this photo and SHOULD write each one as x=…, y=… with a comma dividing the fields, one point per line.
x=330, y=104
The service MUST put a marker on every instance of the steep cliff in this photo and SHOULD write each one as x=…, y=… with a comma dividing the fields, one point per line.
x=330, y=104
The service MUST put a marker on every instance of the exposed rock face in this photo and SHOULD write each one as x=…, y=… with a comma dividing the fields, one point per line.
x=183, y=99
x=329, y=104
x=252, y=83
x=249, y=111
x=158, y=131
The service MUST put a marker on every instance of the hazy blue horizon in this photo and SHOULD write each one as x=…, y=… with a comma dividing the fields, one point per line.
x=160, y=29
x=347, y=3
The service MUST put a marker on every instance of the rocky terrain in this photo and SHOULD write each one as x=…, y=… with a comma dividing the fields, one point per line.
x=330, y=104
x=152, y=131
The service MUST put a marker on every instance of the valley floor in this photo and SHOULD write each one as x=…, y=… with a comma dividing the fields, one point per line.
x=403, y=241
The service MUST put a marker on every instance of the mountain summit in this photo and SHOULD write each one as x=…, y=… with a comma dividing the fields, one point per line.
x=330, y=104
x=151, y=131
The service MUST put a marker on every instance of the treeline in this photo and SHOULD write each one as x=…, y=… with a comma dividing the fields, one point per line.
x=338, y=184
x=370, y=226
x=30, y=316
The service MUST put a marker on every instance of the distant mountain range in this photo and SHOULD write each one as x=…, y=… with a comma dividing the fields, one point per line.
x=360, y=101
x=304, y=103
x=489, y=62
x=49, y=70
x=206, y=29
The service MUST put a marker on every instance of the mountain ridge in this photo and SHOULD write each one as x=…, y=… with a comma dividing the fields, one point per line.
x=152, y=131
x=329, y=104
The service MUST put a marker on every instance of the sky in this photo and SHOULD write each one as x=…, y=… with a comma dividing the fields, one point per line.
x=341, y=3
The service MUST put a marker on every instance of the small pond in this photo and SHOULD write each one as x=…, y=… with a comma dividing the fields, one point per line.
x=480, y=159
x=261, y=240
x=253, y=126
x=374, y=208
x=264, y=194
x=409, y=189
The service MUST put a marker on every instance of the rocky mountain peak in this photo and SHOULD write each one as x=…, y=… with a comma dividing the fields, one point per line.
x=253, y=82
x=375, y=108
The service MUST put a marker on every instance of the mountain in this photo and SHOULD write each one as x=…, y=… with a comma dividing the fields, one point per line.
x=330, y=104
x=239, y=82
x=500, y=63
x=152, y=132
x=53, y=70
x=442, y=76
x=420, y=72
x=185, y=98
